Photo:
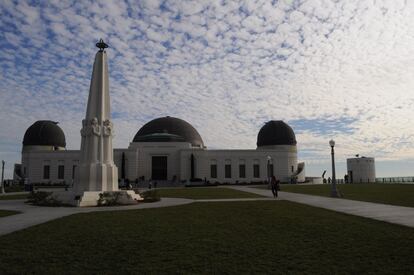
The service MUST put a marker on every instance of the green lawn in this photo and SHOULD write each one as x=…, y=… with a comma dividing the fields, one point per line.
x=395, y=194
x=204, y=193
x=4, y=213
x=14, y=197
x=262, y=237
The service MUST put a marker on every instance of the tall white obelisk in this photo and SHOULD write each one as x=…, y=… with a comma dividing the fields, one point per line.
x=98, y=171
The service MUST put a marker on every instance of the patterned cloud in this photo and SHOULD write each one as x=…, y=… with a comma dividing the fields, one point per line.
x=331, y=69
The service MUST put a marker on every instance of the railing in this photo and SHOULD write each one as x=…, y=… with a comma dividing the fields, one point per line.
x=338, y=181
x=395, y=180
x=405, y=180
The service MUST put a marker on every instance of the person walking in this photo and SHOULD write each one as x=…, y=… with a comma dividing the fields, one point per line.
x=275, y=186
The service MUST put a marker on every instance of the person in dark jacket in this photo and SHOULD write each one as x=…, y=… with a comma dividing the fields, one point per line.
x=274, y=183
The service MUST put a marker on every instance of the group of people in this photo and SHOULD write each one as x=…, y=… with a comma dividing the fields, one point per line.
x=275, y=185
x=152, y=184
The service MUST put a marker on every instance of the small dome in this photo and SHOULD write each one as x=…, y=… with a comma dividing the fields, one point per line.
x=44, y=132
x=276, y=132
x=169, y=129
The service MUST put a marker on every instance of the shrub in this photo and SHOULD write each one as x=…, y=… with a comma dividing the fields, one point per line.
x=150, y=196
x=115, y=198
x=109, y=199
x=14, y=188
x=50, y=184
x=42, y=198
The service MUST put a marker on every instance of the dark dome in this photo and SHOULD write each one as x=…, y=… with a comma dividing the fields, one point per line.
x=169, y=129
x=44, y=132
x=276, y=132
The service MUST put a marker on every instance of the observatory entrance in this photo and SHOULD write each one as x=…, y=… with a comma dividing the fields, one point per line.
x=159, y=168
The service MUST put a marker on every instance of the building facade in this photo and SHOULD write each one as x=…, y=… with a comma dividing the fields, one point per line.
x=170, y=151
x=361, y=170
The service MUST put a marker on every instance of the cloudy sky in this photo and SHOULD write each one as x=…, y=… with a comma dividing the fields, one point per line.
x=338, y=69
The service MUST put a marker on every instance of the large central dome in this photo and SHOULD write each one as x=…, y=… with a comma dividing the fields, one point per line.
x=169, y=129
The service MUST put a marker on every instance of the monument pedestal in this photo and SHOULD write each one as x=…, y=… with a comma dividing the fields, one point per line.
x=98, y=177
x=121, y=197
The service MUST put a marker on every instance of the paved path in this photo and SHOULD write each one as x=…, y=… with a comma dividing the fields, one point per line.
x=13, y=193
x=382, y=212
x=33, y=215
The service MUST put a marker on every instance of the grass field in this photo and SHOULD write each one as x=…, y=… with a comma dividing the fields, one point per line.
x=14, y=197
x=204, y=193
x=395, y=194
x=4, y=213
x=203, y=238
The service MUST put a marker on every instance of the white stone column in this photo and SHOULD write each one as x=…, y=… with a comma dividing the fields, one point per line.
x=98, y=171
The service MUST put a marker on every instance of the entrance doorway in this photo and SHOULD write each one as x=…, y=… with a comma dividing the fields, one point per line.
x=159, y=168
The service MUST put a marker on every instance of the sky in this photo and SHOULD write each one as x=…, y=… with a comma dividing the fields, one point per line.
x=341, y=70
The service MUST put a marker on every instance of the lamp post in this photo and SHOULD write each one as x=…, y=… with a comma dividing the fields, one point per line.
x=334, y=192
x=268, y=168
x=2, y=176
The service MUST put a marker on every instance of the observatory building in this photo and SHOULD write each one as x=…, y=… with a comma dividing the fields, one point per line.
x=168, y=150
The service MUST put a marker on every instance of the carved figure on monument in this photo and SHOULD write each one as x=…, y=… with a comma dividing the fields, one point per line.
x=96, y=129
x=107, y=127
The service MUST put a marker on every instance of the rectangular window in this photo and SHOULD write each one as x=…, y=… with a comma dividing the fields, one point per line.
x=213, y=171
x=271, y=173
x=61, y=172
x=256, y=170
x=46, y=172
x=242, y=170
x=227, y=171
x=73, y=171
x=292, y=168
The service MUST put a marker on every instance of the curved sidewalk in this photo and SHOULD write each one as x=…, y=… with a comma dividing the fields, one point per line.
x=34, y=215
x=383, y=212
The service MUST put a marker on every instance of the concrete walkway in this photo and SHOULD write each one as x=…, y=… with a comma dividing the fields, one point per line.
x=14, y=193
x=383, y=212
x=33, y=215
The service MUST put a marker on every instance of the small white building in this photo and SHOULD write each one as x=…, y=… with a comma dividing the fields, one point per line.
x=170, y=151
x=361, y=170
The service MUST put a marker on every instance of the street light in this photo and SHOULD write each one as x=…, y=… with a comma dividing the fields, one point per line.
x=2, y=176
x=269, y=158
x=334, y=192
